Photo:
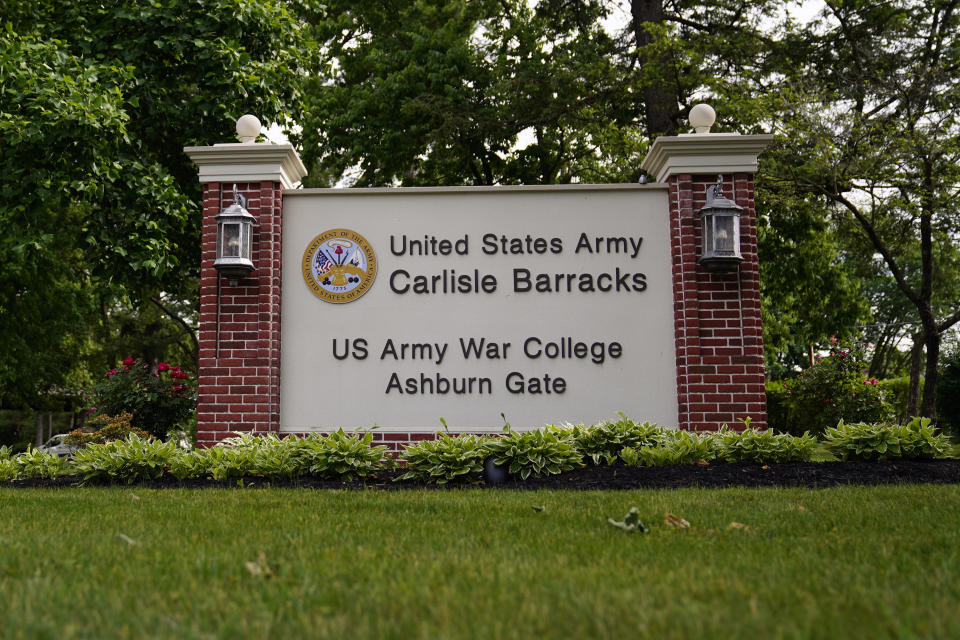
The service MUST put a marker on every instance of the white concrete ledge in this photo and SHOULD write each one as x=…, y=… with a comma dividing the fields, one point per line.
x=244, y=162
x=704, y=153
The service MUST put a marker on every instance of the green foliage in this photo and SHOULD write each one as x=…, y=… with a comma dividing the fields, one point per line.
x=158, y=400
x=106, y=428
x=437, y=92
x=8, y=469
x=896, y=393
x=672, y=447
x=132, y=459
x=948, y=391
x=751, y=445
x=917, y=439
x=97, y=200
x=445, y=459
x=345, y=456
x=778, y=408
x=834, y=389
x=5, y=452
x=539, y=452
x=601, y=443
x=35, y=463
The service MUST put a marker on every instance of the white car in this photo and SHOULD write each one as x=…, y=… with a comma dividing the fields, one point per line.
x=56, y=446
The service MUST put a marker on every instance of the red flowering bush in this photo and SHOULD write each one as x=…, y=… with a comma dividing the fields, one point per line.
x=835, y=388
x=158, y=400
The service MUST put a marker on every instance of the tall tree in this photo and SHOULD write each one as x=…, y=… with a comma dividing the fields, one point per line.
x=97, y=199
x=440, y=92
x=869, y=123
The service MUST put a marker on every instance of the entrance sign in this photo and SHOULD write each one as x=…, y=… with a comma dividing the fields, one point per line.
x=541, y=304
x=403, y=307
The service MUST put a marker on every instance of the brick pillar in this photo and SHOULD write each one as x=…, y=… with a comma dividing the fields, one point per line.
x=239, y=369
x=719, y=338
x=717, y=321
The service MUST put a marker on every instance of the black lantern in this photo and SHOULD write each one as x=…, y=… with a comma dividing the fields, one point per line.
x=234, y=234
x=721, y=231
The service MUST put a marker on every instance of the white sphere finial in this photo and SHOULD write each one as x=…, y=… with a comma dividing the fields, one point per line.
x=248, y=128
x=702, y=117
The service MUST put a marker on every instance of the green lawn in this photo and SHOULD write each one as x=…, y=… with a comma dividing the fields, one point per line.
x=853, y=562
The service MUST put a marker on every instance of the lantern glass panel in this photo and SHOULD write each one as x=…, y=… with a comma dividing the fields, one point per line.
x=231, y=240
x=725, y=235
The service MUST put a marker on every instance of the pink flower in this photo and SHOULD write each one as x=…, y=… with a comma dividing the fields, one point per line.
x=128, y=362
x=163, y=366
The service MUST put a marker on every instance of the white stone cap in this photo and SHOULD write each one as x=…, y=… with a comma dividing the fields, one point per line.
x=704, y=153
x=248, y=162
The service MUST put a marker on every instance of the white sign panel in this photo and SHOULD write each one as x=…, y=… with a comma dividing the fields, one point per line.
x=547, y=305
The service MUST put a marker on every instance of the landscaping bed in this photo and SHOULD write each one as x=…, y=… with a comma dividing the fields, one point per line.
x=813, y=475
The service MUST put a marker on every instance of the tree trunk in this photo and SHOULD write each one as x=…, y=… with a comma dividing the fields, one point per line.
x=659, y=98
x=39, y=438
x=916, y=355
x=929, y=409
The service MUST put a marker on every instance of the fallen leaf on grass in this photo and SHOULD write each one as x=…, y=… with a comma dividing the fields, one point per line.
x=259, y=568
x=675, y=521
x=738, y=525
x=766, y=466
x=703, y=463
x=631, y=522
x=800, y=507
x=130, y=541
x=134, y=497
x=537, y=509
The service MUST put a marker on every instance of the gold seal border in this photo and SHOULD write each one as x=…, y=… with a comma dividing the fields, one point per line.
x=347, y=296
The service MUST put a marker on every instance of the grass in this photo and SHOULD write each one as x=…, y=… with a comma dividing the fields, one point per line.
x=854, y=562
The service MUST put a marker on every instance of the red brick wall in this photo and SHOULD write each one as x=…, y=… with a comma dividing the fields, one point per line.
x=239, y=378
x=719, y=340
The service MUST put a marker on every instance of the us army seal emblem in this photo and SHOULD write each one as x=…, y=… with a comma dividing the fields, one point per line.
x=339, y=265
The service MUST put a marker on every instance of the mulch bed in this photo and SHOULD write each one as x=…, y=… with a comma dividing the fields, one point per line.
x=813, y=475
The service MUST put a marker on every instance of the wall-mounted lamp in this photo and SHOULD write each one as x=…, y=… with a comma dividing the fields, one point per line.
x=234, y=240
x=721, y=231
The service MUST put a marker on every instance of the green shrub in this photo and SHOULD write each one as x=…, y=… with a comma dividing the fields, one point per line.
x=602, y=443
x=345, y=457
x=190, y=464
x=673, y=447
x=445, y=459
x=5, y=452
x=132, y=459
x=778, y=406
x=35, y=463
x=834, y=389
x=8, y=469
x=105, y=428
x=948, y=392
x=896, y=392
x=877, y=441
x=751, y=445
x=159, y=400
x=536, y=453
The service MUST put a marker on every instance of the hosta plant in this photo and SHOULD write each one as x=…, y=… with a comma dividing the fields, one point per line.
x=672, y=447
x=751, y=445
x=536, y=453
x=39, y=464
x=877, y=441
x=132, y=459
x=445, y=459
x=602, y=443
x=8, y=469
x=345, y=456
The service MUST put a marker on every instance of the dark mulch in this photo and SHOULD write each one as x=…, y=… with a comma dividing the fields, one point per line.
x=814, y=475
